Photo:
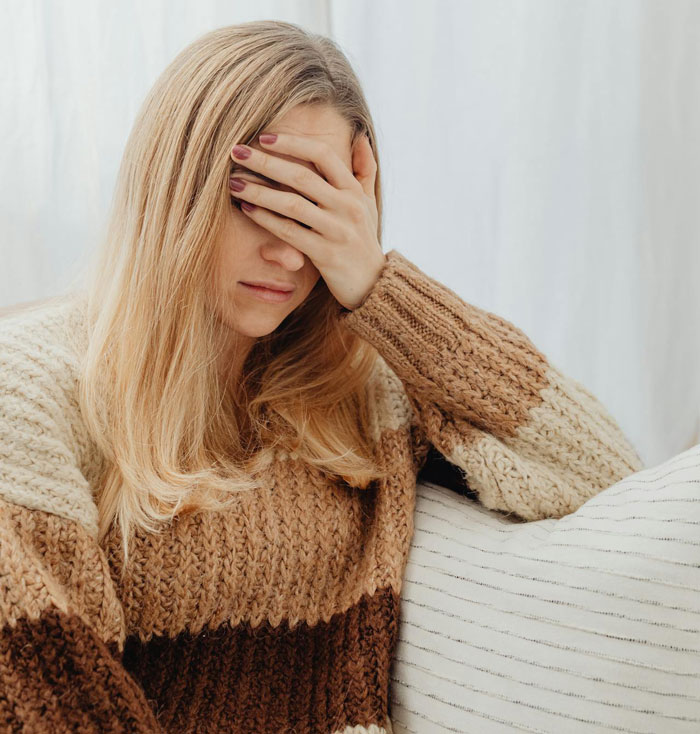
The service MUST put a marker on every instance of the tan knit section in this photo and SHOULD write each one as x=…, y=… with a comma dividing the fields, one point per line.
x=299, y=550
x=48, y=561
x=569, y=450
x=531, y=441
x=473, y=363
x=574, y=429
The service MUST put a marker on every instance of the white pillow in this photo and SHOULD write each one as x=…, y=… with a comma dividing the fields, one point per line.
x=588, y=623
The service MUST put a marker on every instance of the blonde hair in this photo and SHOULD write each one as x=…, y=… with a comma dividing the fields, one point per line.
x=173, y=437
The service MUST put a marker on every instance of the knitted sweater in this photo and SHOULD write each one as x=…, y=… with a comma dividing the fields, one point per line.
x=282, y=614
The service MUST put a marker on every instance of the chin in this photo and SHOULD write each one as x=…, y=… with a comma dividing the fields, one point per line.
x=257, y=329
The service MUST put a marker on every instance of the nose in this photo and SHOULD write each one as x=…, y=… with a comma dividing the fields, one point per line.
x=279, y=251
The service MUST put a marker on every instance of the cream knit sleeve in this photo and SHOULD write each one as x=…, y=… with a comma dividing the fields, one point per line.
x=62, y=623
x=528, y=439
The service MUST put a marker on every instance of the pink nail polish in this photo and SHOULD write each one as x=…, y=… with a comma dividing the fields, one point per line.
x=268, y=138
x=241, y=151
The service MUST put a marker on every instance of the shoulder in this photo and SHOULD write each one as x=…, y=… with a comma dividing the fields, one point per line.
x=39, y=328
x=40, y=354
x=44, y=445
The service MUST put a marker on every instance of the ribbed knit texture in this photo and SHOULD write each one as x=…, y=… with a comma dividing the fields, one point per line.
x=280, y=614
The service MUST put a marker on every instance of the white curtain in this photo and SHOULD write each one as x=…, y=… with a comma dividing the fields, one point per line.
x=539, y=157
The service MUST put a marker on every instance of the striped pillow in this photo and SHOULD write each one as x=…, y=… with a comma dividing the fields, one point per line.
x=587, y=623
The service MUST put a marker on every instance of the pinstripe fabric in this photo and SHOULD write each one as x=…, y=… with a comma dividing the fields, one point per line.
x=588, y=623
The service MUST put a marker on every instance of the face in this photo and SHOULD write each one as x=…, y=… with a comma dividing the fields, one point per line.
x=249, y=252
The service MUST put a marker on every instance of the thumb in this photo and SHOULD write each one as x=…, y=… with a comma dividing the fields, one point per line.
x=364, y=164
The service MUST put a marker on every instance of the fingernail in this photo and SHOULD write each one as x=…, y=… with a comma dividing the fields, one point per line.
x=236, y=184
x=241, y=151
x=268, y=138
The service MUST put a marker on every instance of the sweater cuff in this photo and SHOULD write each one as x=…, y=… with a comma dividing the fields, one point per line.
x=410, y=318
x=471, y=362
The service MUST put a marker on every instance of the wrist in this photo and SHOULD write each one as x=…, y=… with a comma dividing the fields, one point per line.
x=377, y=273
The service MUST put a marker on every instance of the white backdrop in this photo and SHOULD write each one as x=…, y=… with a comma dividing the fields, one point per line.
x=540, y=157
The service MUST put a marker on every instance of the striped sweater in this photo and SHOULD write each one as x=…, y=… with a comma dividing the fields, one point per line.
x=282, y=614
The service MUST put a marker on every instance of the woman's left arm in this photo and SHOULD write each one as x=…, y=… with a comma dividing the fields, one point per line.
x=530, y=440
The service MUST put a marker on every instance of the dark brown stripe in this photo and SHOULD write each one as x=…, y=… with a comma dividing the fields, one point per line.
x=306, y=679
x=57, y=675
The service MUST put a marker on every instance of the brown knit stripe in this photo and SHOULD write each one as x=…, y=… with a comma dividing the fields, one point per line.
x=58, y=676
x=299, y=550
x=531, y=440
x=49, y=562
x=304, y=678
x=569, y=450
x=501, y=372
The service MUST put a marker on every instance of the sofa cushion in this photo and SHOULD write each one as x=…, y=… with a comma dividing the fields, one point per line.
x=586, y=623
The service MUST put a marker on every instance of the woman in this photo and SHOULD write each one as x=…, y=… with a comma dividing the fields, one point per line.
x=206, y=487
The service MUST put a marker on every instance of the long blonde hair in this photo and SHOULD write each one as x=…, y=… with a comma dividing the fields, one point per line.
x=173, y=437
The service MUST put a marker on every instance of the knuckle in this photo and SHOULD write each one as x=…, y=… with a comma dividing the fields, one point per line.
x=356, y=211
x=263, y=162
x=288, y=227
x=295, y=207
x=301, y=178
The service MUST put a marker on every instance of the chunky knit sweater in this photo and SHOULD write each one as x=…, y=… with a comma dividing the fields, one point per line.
x=282, y=614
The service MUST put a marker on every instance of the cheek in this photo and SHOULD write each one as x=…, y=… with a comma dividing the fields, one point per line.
x=312, y=284
x=313, y=278
x=239, y=220
x=228, y=258
x=237, y=239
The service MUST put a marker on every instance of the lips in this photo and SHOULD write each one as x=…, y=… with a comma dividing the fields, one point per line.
x=268, y=295
x=273, y=286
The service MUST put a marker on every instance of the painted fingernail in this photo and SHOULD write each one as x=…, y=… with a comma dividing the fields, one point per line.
x=241, y=151
x=248, y=207
x=237, y=184
x=268, y=138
